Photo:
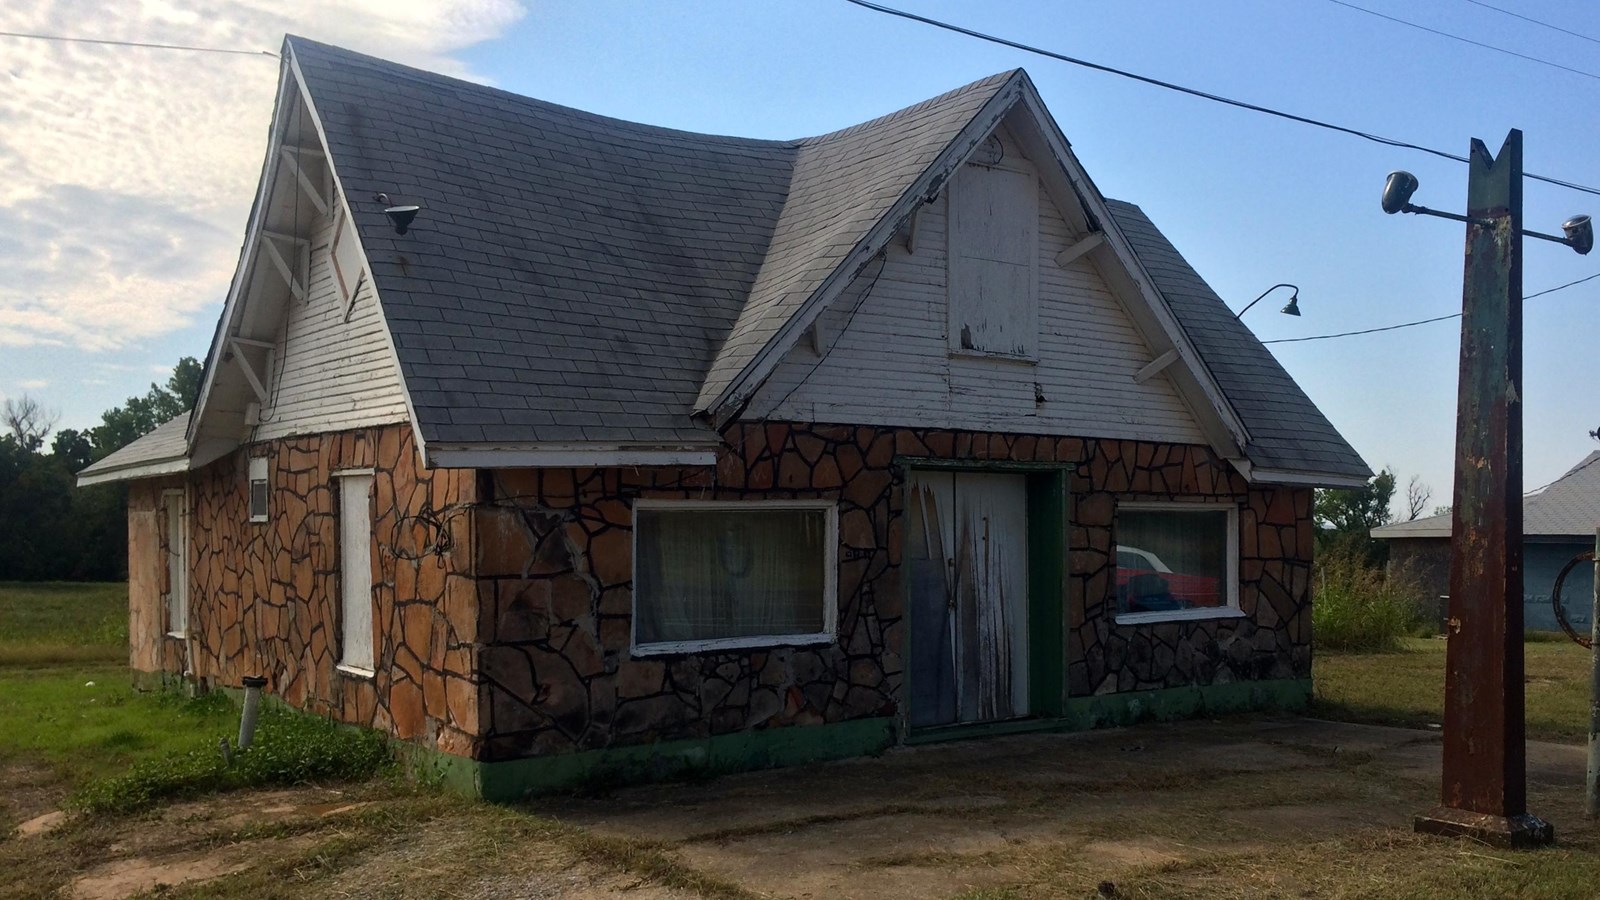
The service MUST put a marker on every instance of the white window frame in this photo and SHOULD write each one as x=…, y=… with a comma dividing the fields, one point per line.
x=258, y=471
x=177, y=575
x=345, y=665
x=1229, y=611
x=830, y=585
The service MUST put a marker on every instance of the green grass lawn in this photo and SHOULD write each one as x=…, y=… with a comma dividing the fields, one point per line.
x=67, y=706
x=1407, y=688
x=58, y=622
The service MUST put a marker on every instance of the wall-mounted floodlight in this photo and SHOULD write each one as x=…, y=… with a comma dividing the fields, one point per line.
x=400, y=216
x=1397, y=191
x=1399, y=187
x=1292, y=308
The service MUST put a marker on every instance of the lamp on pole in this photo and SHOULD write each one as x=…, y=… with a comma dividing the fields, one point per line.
x=1292, y=308
x=1484, y=790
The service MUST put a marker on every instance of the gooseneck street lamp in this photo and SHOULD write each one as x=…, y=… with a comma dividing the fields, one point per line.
x=1292, y=308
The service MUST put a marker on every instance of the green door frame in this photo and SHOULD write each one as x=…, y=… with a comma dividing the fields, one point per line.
x=1048, y=515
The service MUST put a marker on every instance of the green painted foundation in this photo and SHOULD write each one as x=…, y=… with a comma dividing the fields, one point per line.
x=518, y=779
x=1113, y=710
x=514, y=780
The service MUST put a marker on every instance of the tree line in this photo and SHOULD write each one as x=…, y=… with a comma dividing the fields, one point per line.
x=52, y=530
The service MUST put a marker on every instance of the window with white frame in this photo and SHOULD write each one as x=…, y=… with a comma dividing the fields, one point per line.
x=1177, y=561
x=711, y=575
x=355, y=571
x=258, y=489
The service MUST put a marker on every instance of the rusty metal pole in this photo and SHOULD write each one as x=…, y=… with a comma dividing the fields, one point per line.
x=1591, y=803
x=1484, y=792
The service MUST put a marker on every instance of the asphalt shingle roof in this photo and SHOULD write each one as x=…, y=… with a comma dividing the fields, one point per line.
x=576, y=278
x=1287, y=431
x=166, y=443
x=1568, y=507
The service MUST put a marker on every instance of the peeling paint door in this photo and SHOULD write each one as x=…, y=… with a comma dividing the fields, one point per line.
x=967, y=556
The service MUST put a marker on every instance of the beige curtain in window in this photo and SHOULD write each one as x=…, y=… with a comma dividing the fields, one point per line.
x=726, y=573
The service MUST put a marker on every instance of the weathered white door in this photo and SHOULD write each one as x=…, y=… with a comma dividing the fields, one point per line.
x=355, y=571
x=967, y=555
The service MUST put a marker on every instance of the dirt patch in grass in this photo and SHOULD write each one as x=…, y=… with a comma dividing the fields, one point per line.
x=27, y=790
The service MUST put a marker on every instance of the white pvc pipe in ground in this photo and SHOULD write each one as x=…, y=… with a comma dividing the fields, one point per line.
x=252, y=709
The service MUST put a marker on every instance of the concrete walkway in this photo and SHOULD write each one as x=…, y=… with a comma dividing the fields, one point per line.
x=941, y=819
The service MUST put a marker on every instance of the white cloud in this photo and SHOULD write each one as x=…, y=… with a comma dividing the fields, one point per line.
x=130, y=172
x=34, y=384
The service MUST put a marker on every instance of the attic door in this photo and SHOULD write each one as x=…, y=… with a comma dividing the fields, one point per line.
x=993, y=260
x=967, y=549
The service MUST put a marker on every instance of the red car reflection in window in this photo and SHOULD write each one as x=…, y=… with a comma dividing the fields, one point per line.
x=1146, y=584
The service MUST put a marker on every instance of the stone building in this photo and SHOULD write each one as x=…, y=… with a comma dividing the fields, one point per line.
x=550, y=443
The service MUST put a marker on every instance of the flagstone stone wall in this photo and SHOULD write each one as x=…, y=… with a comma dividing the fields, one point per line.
x=554, y=565
x=264, y=597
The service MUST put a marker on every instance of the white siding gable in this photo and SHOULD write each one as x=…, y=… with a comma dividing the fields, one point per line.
x=894, y=359
x=331, y=367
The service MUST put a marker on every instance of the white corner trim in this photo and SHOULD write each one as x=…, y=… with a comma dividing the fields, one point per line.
x=1071, y=255
x=356, y=671
x=535, y=456
x=350, y=473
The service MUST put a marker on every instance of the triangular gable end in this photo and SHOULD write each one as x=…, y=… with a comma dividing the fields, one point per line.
x=1087, y=212
x=300, y=207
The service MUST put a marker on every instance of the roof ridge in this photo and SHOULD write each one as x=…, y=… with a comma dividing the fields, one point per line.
x=438, y=80
x=908, y=111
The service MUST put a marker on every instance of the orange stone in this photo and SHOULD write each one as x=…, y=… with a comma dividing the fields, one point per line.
x=405, y=708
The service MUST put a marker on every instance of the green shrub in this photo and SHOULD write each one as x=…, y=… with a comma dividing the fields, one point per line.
x=1358, y=607
x=290, y=748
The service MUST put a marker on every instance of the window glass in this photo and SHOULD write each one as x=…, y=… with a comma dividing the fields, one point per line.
x=723, y=574
x=1173, y=559
x=258, y=489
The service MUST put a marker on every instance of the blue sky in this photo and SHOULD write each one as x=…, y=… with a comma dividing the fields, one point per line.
x=1251, y=201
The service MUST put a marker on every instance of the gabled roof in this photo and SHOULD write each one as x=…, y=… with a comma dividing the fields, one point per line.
x=577, y=282
x=161, y=452
x=1568, y=507
x=843, y=184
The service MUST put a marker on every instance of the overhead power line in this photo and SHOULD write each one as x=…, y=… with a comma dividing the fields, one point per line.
x=1542, y=24
x=1324, y=337
x=111, y=43
x=1465, y=40
x=1193, y=92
